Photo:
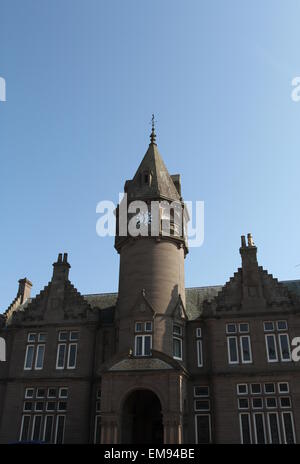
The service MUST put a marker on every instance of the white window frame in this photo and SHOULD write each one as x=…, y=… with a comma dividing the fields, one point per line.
x=244, y=385
x=269, y=426
x=209, y=426
x=269, y=330
x=69, y=351
x=241, y=408
x=28, y=337
x=136, y=329
x=142, y=336
x=293, y=425
x=202, y=399
x=26, y=393
x=45, y=422
x=237, y=350
x=280, y=348
x=33, y=425
x=267, y=348
x=244, y=331
x=242, y=351
x=254, y=393
x=269, y=393
x=199, y=351
x=257, y=398
x=76, y=339
x=151, y=326
x=201, y=396
x=22, y=425
x=230, y=332
x=271, y=398
x=179, y=334
x=285, y=392
x=33, y=357
x=199, y=332
x=57, y=356
x=264, y=426
x=285, y=407
x=180, y=344
x=50, y=410
x=249, y=423
x=38, y=347
x=59, y=392
x=56, y=428
x=60, y=339
x=286, y=325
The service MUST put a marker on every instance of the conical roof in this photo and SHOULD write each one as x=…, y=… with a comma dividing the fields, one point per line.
x=152, y=178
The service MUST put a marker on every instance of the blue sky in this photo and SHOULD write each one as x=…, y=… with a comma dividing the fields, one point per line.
x=84, y=77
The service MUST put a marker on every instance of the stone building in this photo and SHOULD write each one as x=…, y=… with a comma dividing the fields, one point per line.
x=155, y=362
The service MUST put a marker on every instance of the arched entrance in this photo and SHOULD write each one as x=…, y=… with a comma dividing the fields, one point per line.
x=142, y=418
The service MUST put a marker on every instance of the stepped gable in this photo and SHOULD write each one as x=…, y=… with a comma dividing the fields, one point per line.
x=252, y=288
x=59, y=300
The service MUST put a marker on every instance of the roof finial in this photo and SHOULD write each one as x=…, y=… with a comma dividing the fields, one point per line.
x=153, y=135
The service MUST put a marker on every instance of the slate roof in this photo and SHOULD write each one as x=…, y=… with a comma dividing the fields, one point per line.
x=194, y=300
x=162, y=184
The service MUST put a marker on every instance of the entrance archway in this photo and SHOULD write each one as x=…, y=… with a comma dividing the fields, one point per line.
x=142, y=418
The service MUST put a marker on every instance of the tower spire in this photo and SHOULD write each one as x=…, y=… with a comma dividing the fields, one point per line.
x=153, y=135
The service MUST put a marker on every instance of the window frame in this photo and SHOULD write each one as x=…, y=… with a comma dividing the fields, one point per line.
x=271, y=335
x=235, y=338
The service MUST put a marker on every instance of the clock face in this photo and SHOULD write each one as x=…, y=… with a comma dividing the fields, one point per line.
x=143, y=218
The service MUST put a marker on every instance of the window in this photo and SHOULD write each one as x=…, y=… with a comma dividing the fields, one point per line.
x=257, y=403
x=48, y=428
x=242, y=389
x=277, y=344
x=246, y=354
x=271, y=348
x=288, y=428
x=269, y=388
x=25, y=426
x=143, y=345
x=60, y=429
x=29, y=357
x=232, y=350
x=230, y=328
x=245, y=428
x=177, y=342
x=203, y=428
x=34, y=355
x=255, y=388
x=139, y=327
x=271, y=402
x=72, y=356
x=198, y=332
x=274, y=429
x=284, y=345
x=282, y=325
x=66, y=356
x=201, y=391
x=243, y=403
x=265, y=419
x=259, y=428
x=29, y=392
x=244, y=327
x=285, y=402
x=199, y=347
x=239, y=345
x=283, y=387
x=43, y=418
x=202, y=405
x=39, y=360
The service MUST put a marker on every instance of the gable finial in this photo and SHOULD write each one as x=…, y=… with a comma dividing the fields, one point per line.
x=153, y=135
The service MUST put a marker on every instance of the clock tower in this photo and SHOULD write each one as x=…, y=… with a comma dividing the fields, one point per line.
x=151, y=241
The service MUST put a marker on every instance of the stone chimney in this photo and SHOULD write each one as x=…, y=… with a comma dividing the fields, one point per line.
x=61, y=268
x=24, y=289
x=252, y=285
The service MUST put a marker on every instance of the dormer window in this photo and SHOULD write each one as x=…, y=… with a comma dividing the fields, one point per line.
x=146, y=178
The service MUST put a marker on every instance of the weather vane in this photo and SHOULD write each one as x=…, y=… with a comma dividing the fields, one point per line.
x=153, y=135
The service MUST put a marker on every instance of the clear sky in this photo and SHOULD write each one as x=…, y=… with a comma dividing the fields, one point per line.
x=83, y=78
